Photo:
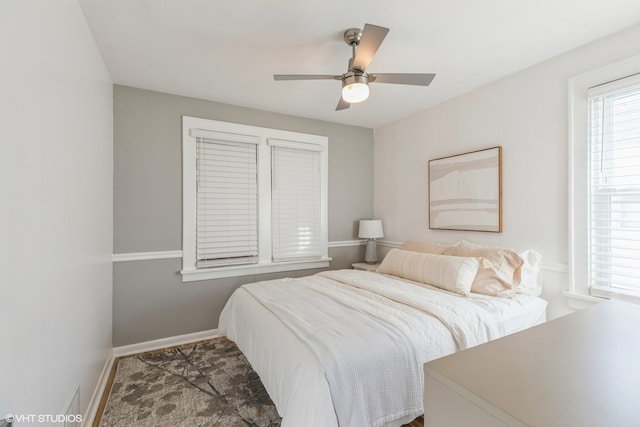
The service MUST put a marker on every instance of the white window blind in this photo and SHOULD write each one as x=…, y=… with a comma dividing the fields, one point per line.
x=226, y=197
x=295, y=201
x=614, y=187
x=233, y=222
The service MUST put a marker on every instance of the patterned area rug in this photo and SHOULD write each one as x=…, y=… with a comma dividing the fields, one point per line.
x=209, y=383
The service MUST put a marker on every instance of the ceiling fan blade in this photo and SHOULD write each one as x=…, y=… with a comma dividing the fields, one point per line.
x=372, y=37
x=404, y=78
x=305, y=77
x=342, y=104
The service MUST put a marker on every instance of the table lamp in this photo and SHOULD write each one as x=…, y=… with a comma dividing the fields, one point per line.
x=370, y=229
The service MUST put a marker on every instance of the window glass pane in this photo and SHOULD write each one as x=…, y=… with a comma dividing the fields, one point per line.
x=614, y=190
x=227, y=199
x=296, y=204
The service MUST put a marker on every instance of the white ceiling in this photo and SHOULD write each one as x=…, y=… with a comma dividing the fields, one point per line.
x=228, y=51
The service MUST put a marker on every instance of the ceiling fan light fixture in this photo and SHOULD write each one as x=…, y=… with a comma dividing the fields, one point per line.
x=355, y=82
x=355, y=92
x=355, y=89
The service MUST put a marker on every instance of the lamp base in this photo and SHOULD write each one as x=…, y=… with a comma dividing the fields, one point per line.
x=371, y=255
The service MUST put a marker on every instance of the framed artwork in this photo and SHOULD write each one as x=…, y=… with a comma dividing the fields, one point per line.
x=465, y=191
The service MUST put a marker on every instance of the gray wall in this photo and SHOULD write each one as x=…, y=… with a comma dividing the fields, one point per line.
x=150, y=301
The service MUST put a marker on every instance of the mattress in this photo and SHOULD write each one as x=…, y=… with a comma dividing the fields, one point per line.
x=517, y=312
x=297, y=381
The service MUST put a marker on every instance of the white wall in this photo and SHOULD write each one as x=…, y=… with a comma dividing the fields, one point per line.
x=56, y=160
x=527, y=114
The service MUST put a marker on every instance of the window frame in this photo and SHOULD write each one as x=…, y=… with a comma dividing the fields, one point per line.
x=265, y=264
x=578, y=216
x=616, y=194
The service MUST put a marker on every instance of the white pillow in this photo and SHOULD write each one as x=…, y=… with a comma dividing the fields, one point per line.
x=452, y=273
x=529, y=283
x=500, y=269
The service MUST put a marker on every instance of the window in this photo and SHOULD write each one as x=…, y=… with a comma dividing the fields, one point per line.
x=296, y=201
x=614, y=187
x=598, y=217
x=254, y=200
x=226, y=199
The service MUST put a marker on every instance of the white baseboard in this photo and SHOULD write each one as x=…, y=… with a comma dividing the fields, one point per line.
x=96, y=397
x=127, y=350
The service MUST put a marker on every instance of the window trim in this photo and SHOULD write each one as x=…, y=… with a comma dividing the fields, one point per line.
x=578, y=177
x=189, y=271
x=614, y=194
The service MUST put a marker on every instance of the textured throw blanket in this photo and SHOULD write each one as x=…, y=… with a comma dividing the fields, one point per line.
x=367, y=331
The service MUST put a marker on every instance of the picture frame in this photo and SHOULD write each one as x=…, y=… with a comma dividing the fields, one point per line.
x=465, y=191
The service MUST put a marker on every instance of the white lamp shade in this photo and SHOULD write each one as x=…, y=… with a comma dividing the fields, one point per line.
x=355, y=92
x=370, y=229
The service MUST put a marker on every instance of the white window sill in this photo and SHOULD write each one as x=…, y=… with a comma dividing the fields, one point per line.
x=578, y=301
x=192, y=275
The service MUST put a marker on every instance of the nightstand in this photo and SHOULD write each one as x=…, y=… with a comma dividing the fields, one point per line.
x=364, y=266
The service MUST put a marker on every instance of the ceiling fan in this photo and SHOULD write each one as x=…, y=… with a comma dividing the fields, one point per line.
x=355, y=82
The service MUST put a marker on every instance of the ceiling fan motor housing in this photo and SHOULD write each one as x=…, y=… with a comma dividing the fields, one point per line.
x=355, y=76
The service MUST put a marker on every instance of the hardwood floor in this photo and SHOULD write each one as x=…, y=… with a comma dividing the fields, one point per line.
x=418, y=422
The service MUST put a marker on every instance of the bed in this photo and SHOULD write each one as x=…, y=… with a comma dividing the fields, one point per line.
x=346, y=347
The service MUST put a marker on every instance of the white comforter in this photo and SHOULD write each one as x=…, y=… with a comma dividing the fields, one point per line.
x=347, y=347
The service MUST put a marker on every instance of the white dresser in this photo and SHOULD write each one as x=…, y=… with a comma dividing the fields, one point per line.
x=581, y=370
